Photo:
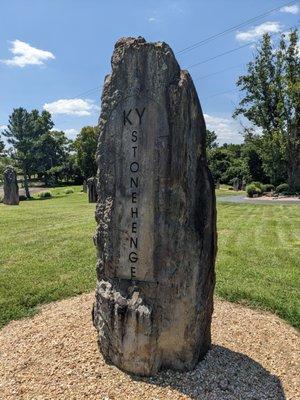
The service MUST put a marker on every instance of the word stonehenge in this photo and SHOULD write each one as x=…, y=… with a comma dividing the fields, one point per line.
x=134, y=167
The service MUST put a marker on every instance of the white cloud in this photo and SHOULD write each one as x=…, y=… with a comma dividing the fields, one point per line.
x=227, y=129
x=258, y=31
x=24, y=54
x=71, y=133
x=152, y=19
x=293, y=9
x=79, y=107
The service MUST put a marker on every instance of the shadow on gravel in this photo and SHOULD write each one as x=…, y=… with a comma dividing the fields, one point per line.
x=222, y=375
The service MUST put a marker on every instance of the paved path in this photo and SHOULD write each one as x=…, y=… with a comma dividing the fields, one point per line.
x=243, y=199
x=22, y=191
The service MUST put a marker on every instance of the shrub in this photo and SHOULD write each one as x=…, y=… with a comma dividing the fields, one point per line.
x=269, y=187
x=1, y=199
x=44, y=195
x=283, y=188
x=260, y=185
x=22, y=197
x=252, y=189
x=69, y=191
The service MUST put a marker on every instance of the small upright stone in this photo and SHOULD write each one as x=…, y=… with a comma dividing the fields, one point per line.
x=11, y=189
x=92, y=190
x=156, y=214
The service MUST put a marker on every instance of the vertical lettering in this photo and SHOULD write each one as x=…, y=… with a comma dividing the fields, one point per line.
x=132, y=269
x=134, y=212
x=140, y=115
x=134, y=136
x=133, y=242
x=133, y=257
x=133, y=197
x=134, y=151
x=134, y=181
x=126, y=117
x=134, y=166
x=134, y=227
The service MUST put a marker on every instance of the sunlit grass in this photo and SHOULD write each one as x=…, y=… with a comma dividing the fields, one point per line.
x=47, y=254
x=259, y=257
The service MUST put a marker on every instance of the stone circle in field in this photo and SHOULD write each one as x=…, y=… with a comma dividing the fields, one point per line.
x=10, y=186
x=156, y=215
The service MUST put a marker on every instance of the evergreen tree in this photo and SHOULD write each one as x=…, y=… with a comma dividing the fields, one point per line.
x=24, y=132
x=2, y=148
x=19, y=135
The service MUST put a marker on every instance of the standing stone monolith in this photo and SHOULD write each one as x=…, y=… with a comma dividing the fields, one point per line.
x=156, y=215
x=10, y=186
x=92, y=189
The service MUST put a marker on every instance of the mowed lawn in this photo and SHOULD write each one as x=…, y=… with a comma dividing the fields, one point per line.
x=47, y=254
x=258, y=261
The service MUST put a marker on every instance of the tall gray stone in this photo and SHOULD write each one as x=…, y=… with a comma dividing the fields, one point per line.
x=10, y=186
x=156, y=215
x=92, y=189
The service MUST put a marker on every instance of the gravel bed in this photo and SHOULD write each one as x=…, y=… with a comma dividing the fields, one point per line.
x=54, y=355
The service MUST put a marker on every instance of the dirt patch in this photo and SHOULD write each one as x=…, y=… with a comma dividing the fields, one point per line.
x=54, y=355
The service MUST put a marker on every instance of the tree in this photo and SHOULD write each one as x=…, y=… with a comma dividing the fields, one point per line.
x=68, y=170
x=272, y=103
x=251, y=155
x=211, y=139
x=226, y=163
x=52, y=151
x=23, y=132
x=19, y=135
x=2, y=148
x=4, y=160
x=86, y=146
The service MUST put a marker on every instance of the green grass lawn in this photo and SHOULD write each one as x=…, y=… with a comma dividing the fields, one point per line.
x=47, y=254
x=258, y=261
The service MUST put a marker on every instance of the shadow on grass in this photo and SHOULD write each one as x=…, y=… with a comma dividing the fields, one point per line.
x=222, y=375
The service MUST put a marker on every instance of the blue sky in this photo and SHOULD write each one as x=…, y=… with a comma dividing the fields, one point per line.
x=55, y=53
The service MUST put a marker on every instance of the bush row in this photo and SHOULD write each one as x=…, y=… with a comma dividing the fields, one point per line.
x=258, y=188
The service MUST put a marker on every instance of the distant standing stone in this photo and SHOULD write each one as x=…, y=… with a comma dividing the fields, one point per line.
x=92, y=190
x=156, y=214
x=11, y=189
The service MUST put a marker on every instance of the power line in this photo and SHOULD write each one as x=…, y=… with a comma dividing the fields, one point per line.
x=218, y=72
x=220, y=93
x=95, y=89
x=233, y=50
x=233, y=28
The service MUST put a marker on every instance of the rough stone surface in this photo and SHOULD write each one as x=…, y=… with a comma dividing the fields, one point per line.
x=11, y=189
x=156, y=234
x=92, y=190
